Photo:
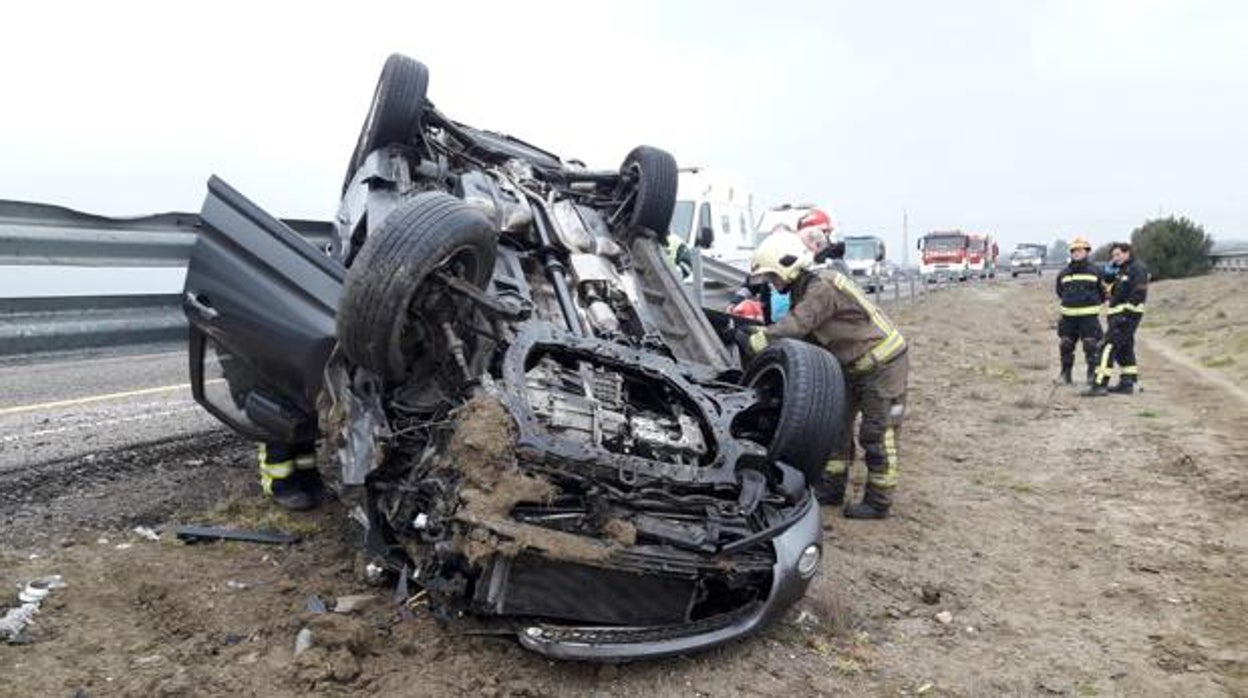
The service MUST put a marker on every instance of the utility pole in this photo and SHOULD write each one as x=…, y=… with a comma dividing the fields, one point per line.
x=905, y=238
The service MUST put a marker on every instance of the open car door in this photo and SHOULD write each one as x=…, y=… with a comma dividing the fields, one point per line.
x=261, y=302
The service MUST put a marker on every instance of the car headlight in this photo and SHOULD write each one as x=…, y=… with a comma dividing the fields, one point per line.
x=808, y=562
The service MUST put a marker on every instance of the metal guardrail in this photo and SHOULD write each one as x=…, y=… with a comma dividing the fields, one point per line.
x=42, y=234
x=33, y=234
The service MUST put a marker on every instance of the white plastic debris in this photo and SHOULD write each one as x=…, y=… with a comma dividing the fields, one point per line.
x=347, y=604
x=303, y=641
x=32, y=595
x=147, y=533
x=16, y=620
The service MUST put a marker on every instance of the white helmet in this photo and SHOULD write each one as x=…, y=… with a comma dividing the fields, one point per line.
x=782, y=254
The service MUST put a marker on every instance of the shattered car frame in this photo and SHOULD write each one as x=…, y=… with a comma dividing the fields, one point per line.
x=513, y=392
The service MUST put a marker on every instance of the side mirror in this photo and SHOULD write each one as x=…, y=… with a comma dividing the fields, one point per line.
x=706, y=237
x=879, y=253
x=918, y=244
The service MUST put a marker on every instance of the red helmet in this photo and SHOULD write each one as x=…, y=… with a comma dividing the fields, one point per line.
x=816, y=218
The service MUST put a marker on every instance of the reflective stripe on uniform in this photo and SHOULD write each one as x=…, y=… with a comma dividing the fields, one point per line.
x=886, y=479
x=1085, y=311
x=1081, y=277
x=835, y=466
x=1130, y=370
x=880, y=353
x=306, y=461
x=277, y=471
x=1127, y=307
x=1102, y=368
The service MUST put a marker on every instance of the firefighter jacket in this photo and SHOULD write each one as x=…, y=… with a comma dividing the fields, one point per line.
x=1079, y=287
x=1130, y=288
x=829, y=309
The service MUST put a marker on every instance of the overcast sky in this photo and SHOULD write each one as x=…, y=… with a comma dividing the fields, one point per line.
x=1031, y=120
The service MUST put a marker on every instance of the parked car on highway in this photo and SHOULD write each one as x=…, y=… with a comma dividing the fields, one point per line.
x=513, y=391
x=1027, y=259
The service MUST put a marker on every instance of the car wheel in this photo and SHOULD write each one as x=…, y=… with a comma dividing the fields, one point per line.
x=655, y=172
x=801, y=405
x=391, y=310
x=396, y=110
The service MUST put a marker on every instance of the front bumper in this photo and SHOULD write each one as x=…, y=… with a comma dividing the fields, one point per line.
x=618, y=644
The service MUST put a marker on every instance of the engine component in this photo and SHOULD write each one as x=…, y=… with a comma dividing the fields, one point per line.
x=591, y=403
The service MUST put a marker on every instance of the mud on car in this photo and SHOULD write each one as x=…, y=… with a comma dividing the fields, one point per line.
x=512, y=392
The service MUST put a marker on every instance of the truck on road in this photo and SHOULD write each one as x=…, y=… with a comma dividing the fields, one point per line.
x=864, y=255
x=944, y=255
x=982, y=255
x=717, y=212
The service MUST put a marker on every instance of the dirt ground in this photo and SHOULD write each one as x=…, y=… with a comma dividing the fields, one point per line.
x=1043, y=544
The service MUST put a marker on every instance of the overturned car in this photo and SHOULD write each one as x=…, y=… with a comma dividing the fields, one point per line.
x=512, y=391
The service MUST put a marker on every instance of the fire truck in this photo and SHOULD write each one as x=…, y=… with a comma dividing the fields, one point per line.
x=982, y=255
x=945, y=255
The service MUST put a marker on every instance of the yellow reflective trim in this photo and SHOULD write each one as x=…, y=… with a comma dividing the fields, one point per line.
x=277, y=471
x=1102, y=368
x=881, y=353
x=1132, y=307
x=1085, y=311
x=1081, y=277
x=887, y=479
x=306, y=461
x=878, y=319
x=835, y=466
x=1130, y=370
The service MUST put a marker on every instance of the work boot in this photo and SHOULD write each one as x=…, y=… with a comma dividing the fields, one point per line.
x=1091, y=375
x=830, y=491
x=291, y=480
x=1095, y=390
x=874, y=505
x=1066, y=376
x=1123, y=388
x=300, y=491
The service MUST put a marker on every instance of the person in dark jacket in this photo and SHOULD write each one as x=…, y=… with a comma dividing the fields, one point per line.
x=1126, y=309
x=1079, y=288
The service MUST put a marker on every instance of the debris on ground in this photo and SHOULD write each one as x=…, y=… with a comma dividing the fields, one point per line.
x=194, y=533
x=944, y=617
x=303, y=641
x=348, y=604
x=147, y=533
x=15, y=621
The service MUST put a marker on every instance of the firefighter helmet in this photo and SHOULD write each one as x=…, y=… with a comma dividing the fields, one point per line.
x=1080, y=243
x=816, y=218
x=780, y=254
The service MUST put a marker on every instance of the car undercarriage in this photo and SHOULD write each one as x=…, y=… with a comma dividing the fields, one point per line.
x=535, y=423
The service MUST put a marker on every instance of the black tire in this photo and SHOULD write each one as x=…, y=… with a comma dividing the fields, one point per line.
x=428, y=231
x=808, y=426
x=396, y=112
x=657, y=179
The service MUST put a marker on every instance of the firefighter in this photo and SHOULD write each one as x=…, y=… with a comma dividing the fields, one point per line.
x=289, y=476
x=1079, y=288
x=1127, y=294
x=829, y=310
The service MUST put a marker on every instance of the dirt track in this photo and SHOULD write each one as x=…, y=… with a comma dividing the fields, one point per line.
x=1082, y=547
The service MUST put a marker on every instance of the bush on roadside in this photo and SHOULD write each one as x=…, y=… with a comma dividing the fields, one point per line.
x=1172, y=248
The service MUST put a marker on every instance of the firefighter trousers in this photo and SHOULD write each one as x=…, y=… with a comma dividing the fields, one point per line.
x=1119, y=348
x=1085, y=330
x=880, y=398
